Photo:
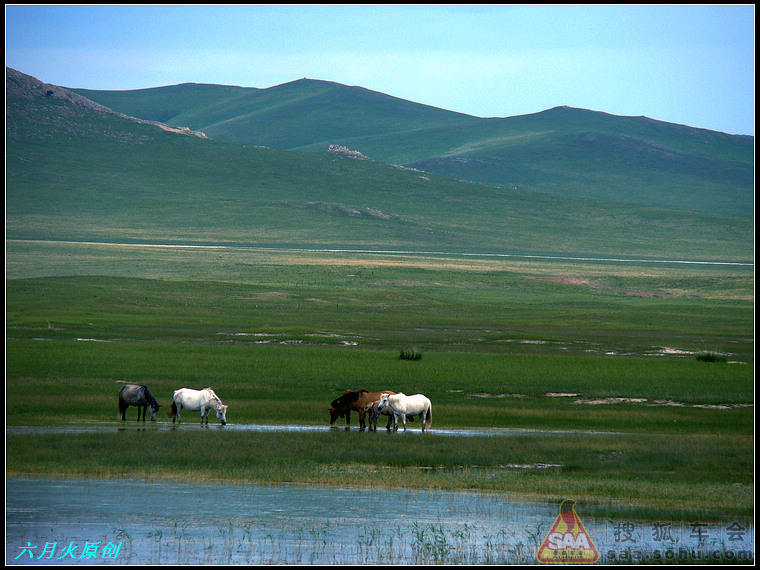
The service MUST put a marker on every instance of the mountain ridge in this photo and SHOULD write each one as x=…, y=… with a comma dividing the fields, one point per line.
x=563, y=150
x=74, y=172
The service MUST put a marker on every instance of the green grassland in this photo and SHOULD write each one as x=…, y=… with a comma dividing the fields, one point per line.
x=278, y=334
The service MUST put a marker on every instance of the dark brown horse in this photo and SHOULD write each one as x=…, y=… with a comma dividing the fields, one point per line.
x=354, y=400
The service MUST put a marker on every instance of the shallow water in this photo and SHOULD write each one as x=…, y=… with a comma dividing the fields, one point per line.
x=212, y=523
x=100, y=427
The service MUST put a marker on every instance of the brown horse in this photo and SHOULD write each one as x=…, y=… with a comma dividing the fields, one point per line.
x=356, y=400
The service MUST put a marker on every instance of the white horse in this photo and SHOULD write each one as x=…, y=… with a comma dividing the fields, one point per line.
x=194, y=400
x=403, y=405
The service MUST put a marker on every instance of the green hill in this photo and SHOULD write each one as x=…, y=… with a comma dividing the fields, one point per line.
x=77, y=171
x=564, y=151
x=304, y=114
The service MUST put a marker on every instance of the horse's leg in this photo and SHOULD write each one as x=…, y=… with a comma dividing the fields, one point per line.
x=388, y=425
x=348, y=419
x=179, y=418
x=423, y=417
x=404, y=416
x=362, y=423
x=204, y=414
x=141, y=409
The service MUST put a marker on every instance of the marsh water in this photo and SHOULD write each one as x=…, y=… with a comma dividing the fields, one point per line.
x=107, y=521
x=128, y=521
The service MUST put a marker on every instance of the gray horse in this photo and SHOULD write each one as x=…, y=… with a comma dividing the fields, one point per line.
x=140, y=396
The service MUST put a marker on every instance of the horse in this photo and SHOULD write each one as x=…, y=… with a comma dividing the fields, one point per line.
x=403, y=405
x=194, y=400
x=372, y=413
x=140, y=396
x=356, y=400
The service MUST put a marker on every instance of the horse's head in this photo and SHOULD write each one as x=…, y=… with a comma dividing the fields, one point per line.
x=383, y=401
x=153, y=408
x=221, y=413
x=336, y=413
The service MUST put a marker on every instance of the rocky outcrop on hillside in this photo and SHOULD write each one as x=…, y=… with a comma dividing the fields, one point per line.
x=337, y=149
x=25, y=87
x=21, y=86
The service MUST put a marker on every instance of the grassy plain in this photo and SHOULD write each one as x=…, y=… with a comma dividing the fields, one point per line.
x=279, y=334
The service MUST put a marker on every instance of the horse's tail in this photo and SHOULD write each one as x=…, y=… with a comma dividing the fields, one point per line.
x=429, y=417
x=122, y=407
x=172, y=410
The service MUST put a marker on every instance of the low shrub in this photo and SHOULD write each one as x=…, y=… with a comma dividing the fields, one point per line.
x=711, y=357
x=410, y=354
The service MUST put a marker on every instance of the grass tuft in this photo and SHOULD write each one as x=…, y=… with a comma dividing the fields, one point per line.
x=711, y=357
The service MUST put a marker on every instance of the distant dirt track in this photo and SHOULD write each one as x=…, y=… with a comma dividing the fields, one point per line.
x=391, y=252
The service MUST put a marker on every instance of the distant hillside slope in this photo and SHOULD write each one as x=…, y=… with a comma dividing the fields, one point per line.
x=565, y=151
x=289, y=116
x=76, y=171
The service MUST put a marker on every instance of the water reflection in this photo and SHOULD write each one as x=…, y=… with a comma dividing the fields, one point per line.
x=183, y=523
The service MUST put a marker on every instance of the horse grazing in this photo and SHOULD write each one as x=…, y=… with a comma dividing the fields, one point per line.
x=140, y=396
x=194, y=400
x=353, y=400
x=403, y=405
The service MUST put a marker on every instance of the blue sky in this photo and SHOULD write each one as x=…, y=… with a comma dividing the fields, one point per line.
x=693, y=65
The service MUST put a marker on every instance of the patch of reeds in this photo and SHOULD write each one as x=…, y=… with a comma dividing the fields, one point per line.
x=418, y=543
